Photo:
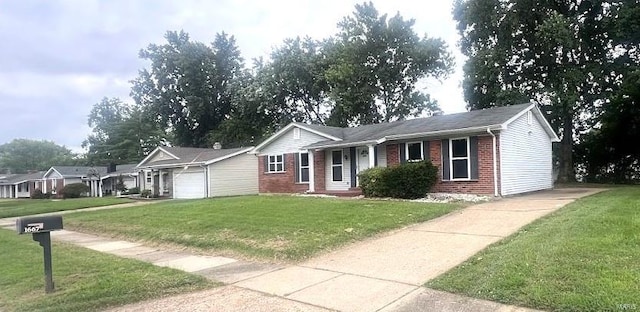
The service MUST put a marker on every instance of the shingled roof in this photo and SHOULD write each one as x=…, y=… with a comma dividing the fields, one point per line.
x=476, y=120
x=191, y=155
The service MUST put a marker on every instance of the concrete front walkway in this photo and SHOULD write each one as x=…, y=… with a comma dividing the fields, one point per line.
x=379, y=274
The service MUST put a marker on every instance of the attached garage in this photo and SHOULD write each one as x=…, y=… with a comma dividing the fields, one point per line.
x=189, y=183
x=186, y=172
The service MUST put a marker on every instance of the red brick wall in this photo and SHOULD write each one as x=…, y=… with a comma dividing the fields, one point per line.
x=319, y=166
x=482, y=186
x=393, y=155
x=281, y=182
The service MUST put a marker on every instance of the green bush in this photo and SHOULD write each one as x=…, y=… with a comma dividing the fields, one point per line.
x=145, y=193
x=74, y=190
x=133, y=190
x=37, y=194
x=371, y=182
x=408, y=180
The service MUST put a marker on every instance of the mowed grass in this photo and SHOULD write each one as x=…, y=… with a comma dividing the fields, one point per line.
x=84, y=280
x=584, y=257
x=264, y=227
x=24, y=207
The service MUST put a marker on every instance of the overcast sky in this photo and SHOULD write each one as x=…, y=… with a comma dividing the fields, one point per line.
x=58, y=58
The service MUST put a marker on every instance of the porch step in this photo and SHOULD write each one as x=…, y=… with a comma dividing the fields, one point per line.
x=349, y=193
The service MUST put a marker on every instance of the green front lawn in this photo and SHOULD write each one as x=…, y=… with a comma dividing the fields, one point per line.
x=85, y=280
x=266, y=227
x=25, y=207
x=585, y=257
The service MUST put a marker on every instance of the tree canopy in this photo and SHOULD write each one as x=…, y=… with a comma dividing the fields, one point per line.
x=560, y=54
x=24, y=155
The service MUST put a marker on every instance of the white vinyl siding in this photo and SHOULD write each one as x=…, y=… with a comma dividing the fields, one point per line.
x=525, y=157
x=237, y=175
x=160, y=155
x=345, y=184
x=286, y=143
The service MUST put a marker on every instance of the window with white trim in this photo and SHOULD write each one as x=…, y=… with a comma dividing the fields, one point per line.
x=303, y=168
x=460, y=165
x=414, y=151
x=275, y=163
x=336, y=165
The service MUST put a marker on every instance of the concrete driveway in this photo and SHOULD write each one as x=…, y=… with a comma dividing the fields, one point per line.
x=387, y=272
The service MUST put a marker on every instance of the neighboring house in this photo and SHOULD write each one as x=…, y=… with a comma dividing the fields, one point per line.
x=19, y=185
x=184, y=172
x=129, y=175
x=57, y=177
x=498, y=151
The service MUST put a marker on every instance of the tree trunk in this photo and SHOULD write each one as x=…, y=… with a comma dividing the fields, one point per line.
x=566, y=171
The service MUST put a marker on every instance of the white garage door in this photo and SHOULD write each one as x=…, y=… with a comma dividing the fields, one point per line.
x=189, y=183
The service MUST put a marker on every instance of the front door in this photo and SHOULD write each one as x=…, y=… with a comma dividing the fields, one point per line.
x=362, y=161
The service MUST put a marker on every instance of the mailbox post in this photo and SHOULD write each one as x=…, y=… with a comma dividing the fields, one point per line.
x=40, y=228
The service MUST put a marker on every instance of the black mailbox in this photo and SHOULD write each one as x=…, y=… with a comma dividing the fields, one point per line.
x=31, y=225
x=40, y=226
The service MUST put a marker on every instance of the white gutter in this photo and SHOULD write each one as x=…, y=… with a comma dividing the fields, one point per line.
x=495, y=164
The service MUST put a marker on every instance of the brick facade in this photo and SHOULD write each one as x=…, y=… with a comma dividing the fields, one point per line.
x=483, y=185
x=285, y=182
x=281, y=182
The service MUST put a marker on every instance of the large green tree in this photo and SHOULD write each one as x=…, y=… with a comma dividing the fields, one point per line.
x=23, y=155
x=188, y=86
x=121, y=133
x=374, y=65
x=556, y=53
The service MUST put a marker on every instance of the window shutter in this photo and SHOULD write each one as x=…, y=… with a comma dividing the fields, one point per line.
x=403, y=157
x=426, y=151
x=445, y=160
x=284, y=162
x=375, y=156
x=352, y=152
x=473, y=156
x=296, y=165
x=266, y=163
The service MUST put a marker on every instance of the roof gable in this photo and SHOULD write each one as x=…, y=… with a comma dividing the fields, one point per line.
x=330, y=133
x=191, y=156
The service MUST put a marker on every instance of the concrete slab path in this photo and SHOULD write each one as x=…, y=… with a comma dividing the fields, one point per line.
x=379, y=274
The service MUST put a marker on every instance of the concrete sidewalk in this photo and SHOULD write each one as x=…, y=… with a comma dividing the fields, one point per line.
x=379, y=274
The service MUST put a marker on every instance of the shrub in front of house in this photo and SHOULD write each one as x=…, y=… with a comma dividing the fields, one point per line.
x=409, y=180
x=133, y=190
x=145, y=193
x=37, y=194
x=74, y=190
x=371, y=182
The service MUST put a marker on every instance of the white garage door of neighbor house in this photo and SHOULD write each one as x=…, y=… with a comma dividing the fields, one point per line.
x=188, y=183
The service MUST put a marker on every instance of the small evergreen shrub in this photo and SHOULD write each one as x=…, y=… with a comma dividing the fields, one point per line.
x=372, y=183
x=37, y=194
x=409, y=180
x=145, y=193
x=74, y=190
x=134, y=190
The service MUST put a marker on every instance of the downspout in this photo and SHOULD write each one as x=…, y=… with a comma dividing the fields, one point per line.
x=206, y=180
x=495, y=164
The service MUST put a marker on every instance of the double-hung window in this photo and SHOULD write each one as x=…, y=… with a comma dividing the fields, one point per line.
x=460, y=165
x=303, y=168
x=336, y=165
x=275, y=163
x=414, y=151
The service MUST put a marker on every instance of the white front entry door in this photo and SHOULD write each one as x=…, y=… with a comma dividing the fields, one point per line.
x=362, y=161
